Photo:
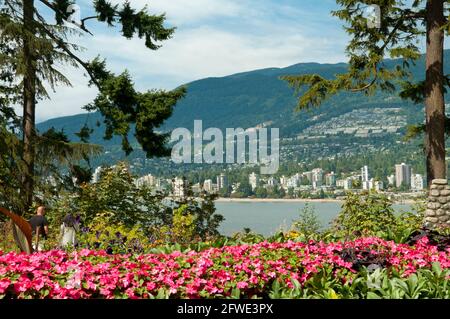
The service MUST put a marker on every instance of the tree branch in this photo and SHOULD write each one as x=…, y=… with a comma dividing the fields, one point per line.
x=65, y=15
x=61, y=44
x=383, y=47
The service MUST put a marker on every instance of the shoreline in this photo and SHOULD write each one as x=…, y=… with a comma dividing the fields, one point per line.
x=276, y=200
x=295, y=200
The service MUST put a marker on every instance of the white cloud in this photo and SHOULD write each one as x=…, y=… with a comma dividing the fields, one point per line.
x=67, y=100
x=210, y=52
x=213, y=39
x=187, y=12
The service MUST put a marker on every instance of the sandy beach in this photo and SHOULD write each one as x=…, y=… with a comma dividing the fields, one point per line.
x=293, y=200
x=277, y=200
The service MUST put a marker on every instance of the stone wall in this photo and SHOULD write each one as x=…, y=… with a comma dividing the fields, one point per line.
x=438, y=206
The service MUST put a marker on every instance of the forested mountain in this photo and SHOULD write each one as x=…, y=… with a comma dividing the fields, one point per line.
x=260, y=97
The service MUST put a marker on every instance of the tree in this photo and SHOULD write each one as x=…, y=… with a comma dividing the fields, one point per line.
x=245, y=189
x=402, y=25
x=261, y=192
x=33, y=47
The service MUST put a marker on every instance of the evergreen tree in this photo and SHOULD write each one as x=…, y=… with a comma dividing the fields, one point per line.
x=402, y=26
x=31, y=49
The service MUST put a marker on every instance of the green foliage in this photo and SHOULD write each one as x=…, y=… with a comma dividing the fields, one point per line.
x=308, y=224
x=183, y=225
x=364, y=215
x=247, y=237
x=122, y=106
x=181, y=231
x=379, y=284
x=32, y=52
x=402, y=27
x=103, y=233
x=116, y=196
x=203, y=210
x=426, y=283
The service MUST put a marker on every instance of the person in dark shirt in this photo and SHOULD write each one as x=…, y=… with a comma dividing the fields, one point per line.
x=39, y=221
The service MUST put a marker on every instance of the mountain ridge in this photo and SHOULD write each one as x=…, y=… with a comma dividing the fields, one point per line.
x=248, y=99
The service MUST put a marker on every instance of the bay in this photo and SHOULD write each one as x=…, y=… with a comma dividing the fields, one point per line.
x=267, y=217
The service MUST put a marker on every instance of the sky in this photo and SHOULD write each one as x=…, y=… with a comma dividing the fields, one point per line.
x=214, y=38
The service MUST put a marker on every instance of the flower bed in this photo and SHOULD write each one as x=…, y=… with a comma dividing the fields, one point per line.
x=245, y=271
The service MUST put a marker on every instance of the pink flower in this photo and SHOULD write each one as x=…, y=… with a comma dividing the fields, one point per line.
x=4, y=284
x=242, y=285
x=150, y=286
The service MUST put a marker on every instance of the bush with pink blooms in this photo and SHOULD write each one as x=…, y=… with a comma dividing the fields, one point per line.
x=362, y=268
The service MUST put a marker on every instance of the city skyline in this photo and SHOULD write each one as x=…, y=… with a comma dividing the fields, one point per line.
x=318, y=180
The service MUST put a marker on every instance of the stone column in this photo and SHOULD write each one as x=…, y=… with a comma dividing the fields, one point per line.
x=438, y=207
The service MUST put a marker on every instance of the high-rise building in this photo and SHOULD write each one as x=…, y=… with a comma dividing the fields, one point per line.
x=179, y=187
x=402, y=175
x=253, y=180
x=330, y=179
x=417, y=182
x=365, y=181
x=208, y=186
x=317, y=177
x=222, y=181
x=365, y=174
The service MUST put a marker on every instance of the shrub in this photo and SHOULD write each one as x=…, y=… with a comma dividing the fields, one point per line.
x=115, y=238
x=308, y=225
x=365, y=214
x=182, y=229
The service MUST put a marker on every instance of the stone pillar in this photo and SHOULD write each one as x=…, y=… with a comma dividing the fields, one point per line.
x=438, y=206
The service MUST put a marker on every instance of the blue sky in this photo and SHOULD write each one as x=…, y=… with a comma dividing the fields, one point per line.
x=214, y=38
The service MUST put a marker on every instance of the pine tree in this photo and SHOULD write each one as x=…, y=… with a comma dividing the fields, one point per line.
x=402, y=26
x=31, y=49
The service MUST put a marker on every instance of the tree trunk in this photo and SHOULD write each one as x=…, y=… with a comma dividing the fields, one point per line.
x=434, y=92
x=29, y=104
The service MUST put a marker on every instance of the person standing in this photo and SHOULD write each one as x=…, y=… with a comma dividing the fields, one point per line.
x=39, y=227
x=69, y=228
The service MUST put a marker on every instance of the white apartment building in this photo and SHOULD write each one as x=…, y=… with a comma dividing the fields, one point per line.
x=417, y=182
x=330, y=179
x=222, y=181
x=179, y=187
x=253, y=180
x=317, y=178
x=208, y=186
x=346, y=183
x=148, y=180
x=365, y=174
x=376, y=185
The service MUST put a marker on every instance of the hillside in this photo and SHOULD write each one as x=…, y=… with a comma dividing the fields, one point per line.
x=252, y=98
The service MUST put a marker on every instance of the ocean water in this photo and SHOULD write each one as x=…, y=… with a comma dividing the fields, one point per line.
x=267, y=217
